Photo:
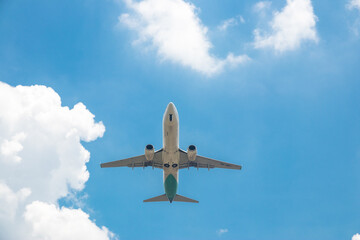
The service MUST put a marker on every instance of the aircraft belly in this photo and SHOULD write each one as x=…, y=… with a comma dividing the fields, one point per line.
x=171, y=169
x=171, y=138
x=171, y=156
x=170, y=186
x=171, y=164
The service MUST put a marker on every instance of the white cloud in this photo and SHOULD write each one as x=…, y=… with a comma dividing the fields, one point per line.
x=11, y=208
x=351, y=5
x=9, y=201
x=222, y=231
x=241, y=19
x=51, y=148
x=41, y=156
x=354, y=4
x=290, y=27
x=10, y=148
x=230, y=23
x=356, y=237
x=173, y=28
x=261, y=6
x=51, y=222
x=227, y=23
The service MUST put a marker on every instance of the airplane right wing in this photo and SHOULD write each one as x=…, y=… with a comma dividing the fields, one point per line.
x=138, y=161
x=204, y=162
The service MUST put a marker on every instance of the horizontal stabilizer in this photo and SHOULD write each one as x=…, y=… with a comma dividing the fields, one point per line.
x=161, y=198
x=179, y=198
x=164, y=198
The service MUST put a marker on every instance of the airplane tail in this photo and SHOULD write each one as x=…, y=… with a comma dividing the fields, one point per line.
x=179, y=198
x=164, y=198
x=161, y=198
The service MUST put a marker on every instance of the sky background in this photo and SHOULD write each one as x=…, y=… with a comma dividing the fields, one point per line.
x=285, y=108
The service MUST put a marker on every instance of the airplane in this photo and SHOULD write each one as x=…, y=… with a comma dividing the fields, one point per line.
x=170, y=158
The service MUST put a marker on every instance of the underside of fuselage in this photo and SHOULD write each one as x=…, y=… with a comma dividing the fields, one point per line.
x=170, y=155
x=170, y=185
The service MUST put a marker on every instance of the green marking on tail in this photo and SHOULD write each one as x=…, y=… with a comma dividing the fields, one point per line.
x=170, y=185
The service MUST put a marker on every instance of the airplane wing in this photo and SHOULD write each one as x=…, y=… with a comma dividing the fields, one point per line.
x=204, y=162
x=138, y=161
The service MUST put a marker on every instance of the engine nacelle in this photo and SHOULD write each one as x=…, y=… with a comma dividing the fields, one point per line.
x=149, y=152
x=191, y=153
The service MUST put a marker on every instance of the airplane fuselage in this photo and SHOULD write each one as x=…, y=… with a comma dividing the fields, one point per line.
x=170, y=154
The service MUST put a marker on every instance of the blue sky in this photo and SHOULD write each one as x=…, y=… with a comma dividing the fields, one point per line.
x=289, y=115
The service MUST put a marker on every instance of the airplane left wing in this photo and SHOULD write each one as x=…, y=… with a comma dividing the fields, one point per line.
x=204, y=162
x=138, y=161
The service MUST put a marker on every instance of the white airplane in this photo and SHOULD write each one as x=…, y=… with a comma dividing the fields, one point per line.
x=170, y=158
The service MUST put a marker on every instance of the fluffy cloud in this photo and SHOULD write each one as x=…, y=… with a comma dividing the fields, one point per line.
x=351, y=5
x=354, y=4
x=222, y=231
x=41, y=158
x=294, y=24
x=38, y=134
x=356, y=237
x=261, y=6
x=9, y=201
x=51, y=222
x=230, y=23
x=173, y=28
x=10, y=148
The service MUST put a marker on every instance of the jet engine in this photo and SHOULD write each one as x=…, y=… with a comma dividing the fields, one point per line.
x=149, y=152
x=191, y=153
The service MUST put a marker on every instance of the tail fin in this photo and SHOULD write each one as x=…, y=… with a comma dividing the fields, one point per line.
x=179, y=198
x=161, y=198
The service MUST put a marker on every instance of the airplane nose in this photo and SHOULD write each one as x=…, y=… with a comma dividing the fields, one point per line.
x=171, y=107
x=171, y=113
